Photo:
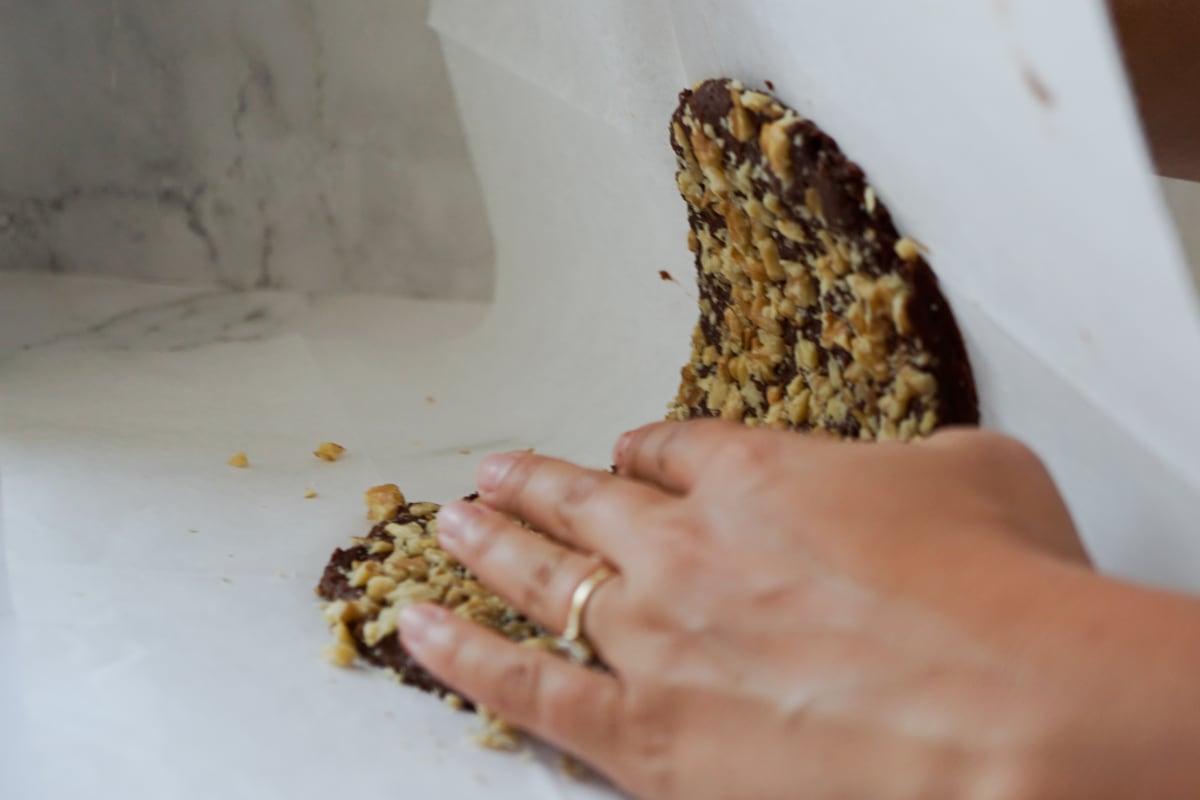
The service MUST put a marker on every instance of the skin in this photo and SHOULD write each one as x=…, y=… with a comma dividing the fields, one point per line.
x=883, y=621
x=1161, y=41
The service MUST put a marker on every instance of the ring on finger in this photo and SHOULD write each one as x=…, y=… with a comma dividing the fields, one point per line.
x=573, y=640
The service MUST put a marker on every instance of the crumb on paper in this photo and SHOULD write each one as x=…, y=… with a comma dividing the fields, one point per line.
x=329, y=451
x=666, y=276
x=339, y=654
x=497, y=733
x=383, y=501
x=193, y=530
x=226, y=580
x=309, y=494
x=430, y=399
x=573, y=768
x=464, y=452
x=239, y=460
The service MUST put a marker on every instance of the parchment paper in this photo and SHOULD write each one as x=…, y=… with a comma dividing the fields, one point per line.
x=166, y=628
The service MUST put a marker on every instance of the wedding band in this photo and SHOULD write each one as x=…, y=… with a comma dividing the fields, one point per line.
x=573, y=641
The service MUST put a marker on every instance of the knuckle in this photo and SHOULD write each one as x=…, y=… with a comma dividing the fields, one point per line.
x=569, y=702
x=517, y=687
x=744, y=452
x=999, y=450
x=541, y=579
x=662, y=452
x=582, y=488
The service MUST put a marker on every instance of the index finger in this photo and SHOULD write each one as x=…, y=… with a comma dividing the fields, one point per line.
x=593, y=511
x=673, y=454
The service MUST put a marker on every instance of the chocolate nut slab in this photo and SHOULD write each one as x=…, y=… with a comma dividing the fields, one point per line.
x=397, y=564
x=815, y=313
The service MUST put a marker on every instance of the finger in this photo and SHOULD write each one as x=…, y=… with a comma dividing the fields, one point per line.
x=571, y=707
x=672, y=455
x=593, y=511
x=533, y=573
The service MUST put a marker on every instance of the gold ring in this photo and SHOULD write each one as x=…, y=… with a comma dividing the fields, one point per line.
x=573, y=641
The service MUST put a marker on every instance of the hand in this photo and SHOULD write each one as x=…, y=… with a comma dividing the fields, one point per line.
x=796, y=616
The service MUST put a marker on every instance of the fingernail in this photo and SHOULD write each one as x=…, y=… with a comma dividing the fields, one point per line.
x=493, y=469
x=456, y=524
x=423, y=626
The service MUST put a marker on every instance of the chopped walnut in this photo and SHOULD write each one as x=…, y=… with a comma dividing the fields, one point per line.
x=340, y=654
x=329, y=451
x=383, y=501
x=497, y=733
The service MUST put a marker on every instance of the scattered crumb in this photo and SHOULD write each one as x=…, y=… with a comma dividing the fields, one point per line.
x=239, y=460
x=1037, y=86
x=497, y=734
x=339, y=654
x=572, y=767
x=430, y=399
x=192, y=530
x=329, y=451
x=770, y=85
x=226, y=580
x=464, y=452
x=309, y=494
x=666, y=276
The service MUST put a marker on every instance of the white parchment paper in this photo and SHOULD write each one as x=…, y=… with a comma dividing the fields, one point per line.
x=164, y=622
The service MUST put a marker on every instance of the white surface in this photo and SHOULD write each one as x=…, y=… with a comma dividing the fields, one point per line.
x=293, y=144
x=168, y=634
x=114, y=437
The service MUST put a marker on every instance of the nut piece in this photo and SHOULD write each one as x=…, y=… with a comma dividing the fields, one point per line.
x=329, y=451
x=497, y=734
x=239, y=460
x=339, y=654
x=773, y=139
x=309, y=494
x=383, y=501
x=907, y=249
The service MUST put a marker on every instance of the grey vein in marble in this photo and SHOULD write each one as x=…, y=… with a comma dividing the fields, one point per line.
x=292, y=144
x=186, y=324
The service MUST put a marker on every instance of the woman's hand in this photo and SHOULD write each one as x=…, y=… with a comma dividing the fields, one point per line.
x=800, y=617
